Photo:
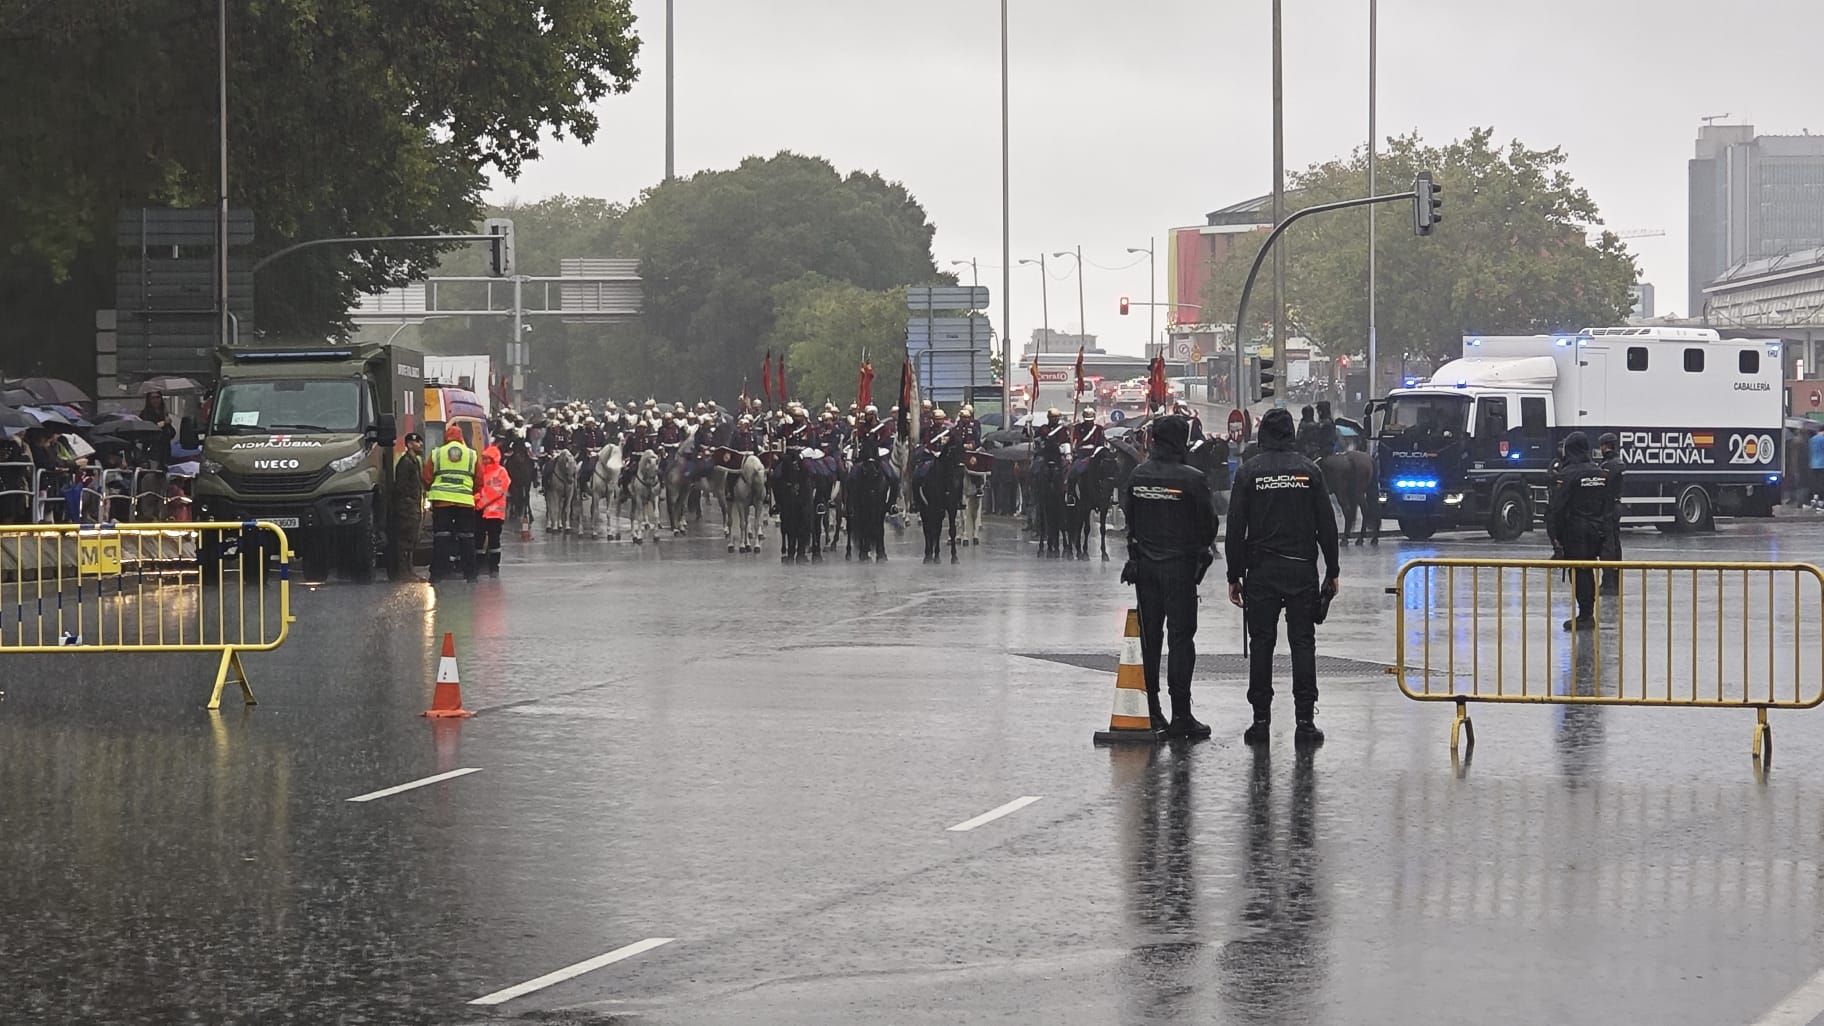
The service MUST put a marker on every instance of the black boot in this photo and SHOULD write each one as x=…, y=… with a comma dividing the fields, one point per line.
x=1307, y=734
x=1257, y=732
x=1581, y=623
x=1184, y=725
x=1154, y=712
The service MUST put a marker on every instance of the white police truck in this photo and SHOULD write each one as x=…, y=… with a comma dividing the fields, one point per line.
x=1698, y=419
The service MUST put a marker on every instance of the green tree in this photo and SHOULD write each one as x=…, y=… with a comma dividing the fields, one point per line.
x=346, y=117
x=714, y=247
x=826, y=326
x=1510, y=256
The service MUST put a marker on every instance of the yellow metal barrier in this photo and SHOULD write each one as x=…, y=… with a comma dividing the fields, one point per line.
x=1700, y=635
x=147, y=587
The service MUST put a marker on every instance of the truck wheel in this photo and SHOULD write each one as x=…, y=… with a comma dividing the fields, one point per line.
x=314, y=555
x=1692, y=510
x=1511, y=514
x=1418, y=530
x=359, y=552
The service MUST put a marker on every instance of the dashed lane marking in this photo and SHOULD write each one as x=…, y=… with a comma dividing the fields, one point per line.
x=439, y=778
x=1801, y=1008
x=571, y=972
x=993, y=814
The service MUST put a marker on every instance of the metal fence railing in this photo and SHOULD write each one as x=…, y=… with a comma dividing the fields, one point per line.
x=1678, y=634
x=147, y=587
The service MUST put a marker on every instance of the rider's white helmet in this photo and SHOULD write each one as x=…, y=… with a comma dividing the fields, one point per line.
x=1089, y=415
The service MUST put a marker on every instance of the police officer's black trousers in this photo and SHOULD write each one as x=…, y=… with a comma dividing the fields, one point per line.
x=1278, y=585
x=1611, y=553
x=1584, y=580
x=452, y=535
x=1167, y=593
x=487, y=543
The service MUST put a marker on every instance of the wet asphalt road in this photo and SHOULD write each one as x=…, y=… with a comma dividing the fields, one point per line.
x=763, y=764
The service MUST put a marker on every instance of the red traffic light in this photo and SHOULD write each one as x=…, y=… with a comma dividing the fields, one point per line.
x=1124, y=306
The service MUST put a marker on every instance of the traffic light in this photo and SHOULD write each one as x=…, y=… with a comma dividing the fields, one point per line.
x=1124, y=306
x=500, y=247
x=1265, y=376
x=1427, y=204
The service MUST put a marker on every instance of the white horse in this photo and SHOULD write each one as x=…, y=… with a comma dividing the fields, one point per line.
x=746, y=514
x=975, y=485
x=600, y=490
x=561, y=493
x=647, y=488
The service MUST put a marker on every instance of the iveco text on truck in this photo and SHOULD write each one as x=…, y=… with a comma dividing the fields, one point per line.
x=1698, y=417
x=304, y=437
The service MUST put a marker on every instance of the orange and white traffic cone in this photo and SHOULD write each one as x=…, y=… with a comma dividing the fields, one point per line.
x=1131, y=720
x=446, y=701
x=525, y=528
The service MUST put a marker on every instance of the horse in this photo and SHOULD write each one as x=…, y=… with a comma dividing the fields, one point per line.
x=940, y=493
x=1048, y=501
x=1350, y=477
x=521, y=474
x=866, y=499
x=795, y=497
x=978, y=465
x=560, y=490
x=744, y=507
x=601, y=490
x=678, y=491
x=1093, y=492
x=645, y=494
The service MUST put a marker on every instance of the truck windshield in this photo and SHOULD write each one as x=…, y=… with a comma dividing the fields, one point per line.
x=1425, y=416
x=288, y=404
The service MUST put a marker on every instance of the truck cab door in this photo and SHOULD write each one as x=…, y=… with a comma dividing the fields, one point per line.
x=1490, y=438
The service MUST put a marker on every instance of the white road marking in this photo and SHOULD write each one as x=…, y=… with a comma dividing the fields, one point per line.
x=573, y=971
x=1801, y=1007
x=388, y=792
x=993, y=814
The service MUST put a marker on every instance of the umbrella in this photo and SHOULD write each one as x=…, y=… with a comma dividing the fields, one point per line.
x=123, y=426
x=17, y=397
x=12, y=418
x=996, y=439
x=55, y=419
x=1014, y=453
x=53, y=390
x=993, y=420
x=168, y=384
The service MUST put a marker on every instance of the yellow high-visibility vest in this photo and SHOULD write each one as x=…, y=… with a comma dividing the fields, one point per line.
x=453, y=475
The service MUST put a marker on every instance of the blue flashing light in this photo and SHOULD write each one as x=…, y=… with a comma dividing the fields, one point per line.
x=1415, y=484
x=1514, y=455
x=1472, y=341
x=1773, y=479
x=1563, y=340
x=1462, y=383
x=1411, y=382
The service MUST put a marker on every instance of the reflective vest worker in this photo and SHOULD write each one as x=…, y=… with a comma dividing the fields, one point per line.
x=491, y=508
x=450, y=476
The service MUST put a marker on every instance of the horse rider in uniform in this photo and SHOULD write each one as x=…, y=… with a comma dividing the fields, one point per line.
x=1180, y=408
x=1326, y=430
x=449, y=477
x=880, y=435
x=969, y=428
x=1086, y=437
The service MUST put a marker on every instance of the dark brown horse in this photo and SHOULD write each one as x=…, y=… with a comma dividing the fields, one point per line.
x=1350, y=477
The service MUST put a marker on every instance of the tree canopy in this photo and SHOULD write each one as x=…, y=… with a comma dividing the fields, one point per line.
x=346, y=117
x=825, y=327
x=1510, y=256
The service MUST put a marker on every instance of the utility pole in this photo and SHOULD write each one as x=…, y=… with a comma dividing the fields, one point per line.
x=1006, y=245
x=671, y=137
x=1082, y=323
x=1279, y=188
x=1152, y=290
x=975, y=274
x=1374, y=144
x=516, y=355
x=223, y=331
x=1044, y=323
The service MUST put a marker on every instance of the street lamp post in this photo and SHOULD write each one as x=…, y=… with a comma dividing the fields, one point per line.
x=221, y=198
x=671, y=168
x=975, y=274
x=1373, y=146
x=1006, y=245
x=1082, y=321
x=1045, y=325
x=1152, y=293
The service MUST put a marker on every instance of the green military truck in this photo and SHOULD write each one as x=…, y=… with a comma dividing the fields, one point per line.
x=305, y=437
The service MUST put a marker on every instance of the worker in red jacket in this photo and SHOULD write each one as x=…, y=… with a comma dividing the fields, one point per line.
x=491, y=487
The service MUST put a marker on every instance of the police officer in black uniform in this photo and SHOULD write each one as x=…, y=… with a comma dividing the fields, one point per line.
x=1608, y=448
x=1279, y=519
x=1171, y=533
x=1577, y=519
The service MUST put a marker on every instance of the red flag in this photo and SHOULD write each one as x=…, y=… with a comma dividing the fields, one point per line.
x=1035, y=382
x=906, y=403
x=766, y=377
x=864, y=389
x=1155, y=386
x=1079, y=373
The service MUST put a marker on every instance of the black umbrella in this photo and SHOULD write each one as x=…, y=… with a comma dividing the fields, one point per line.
x=53, y=390
x=1014, y=453
x=12, y=418
x=17, y=397
x=996, y=439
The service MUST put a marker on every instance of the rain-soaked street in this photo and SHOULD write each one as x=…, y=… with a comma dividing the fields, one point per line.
x=711, y=789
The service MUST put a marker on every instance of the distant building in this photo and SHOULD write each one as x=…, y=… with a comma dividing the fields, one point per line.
x=1752, y=197
x=1045, y=340
x=1640, y=295
x=1193, y=254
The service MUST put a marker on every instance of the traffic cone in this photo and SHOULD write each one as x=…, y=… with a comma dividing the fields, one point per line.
x=447, y=700
x=525, y=528
x=1130, y=721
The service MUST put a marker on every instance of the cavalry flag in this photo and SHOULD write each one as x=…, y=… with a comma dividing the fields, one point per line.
x=1035, y=383
x=766, y=377
x=1079, y=373
x=864, y=389
x=1155, y=386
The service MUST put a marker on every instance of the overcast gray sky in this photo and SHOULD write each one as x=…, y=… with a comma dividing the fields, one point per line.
x=1129, y=119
